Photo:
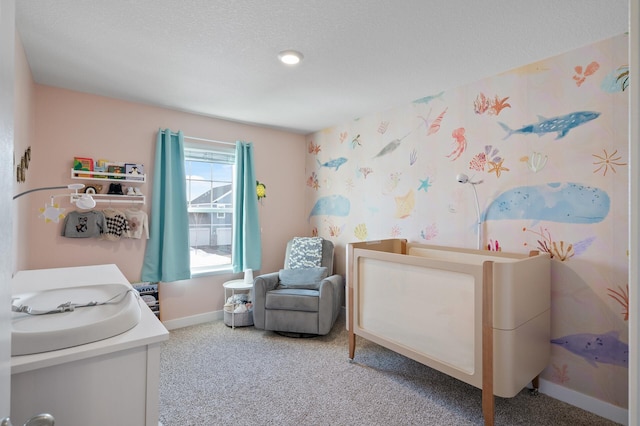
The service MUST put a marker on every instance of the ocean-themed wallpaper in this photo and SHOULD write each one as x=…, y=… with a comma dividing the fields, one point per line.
x=545, y=148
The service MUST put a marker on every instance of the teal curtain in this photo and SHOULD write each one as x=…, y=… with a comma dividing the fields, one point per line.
x=167, y=255
x=247, y=244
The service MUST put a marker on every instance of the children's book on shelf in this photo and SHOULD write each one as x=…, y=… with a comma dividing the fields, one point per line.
x=83, y=163
x=149, y=294
x=134, y=171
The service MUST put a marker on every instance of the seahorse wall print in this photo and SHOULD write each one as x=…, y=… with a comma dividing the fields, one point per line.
x=555, y=202
x=597, y=348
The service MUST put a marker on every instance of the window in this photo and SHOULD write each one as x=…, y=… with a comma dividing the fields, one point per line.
x=209, y=178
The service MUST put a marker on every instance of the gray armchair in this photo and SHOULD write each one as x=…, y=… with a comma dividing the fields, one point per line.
x=299, y=301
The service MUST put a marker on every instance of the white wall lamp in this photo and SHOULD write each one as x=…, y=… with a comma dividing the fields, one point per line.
x=462, y=178
x=52, y=212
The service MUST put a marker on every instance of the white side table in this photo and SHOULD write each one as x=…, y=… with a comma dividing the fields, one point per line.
x=232, y=287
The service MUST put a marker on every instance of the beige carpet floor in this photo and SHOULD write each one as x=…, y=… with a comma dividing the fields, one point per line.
x=214, y=375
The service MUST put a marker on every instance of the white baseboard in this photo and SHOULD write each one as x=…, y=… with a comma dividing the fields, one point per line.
x=193, y=320
x=586, y=402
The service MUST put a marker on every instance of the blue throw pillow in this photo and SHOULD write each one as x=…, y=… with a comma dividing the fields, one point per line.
x=306, y=252
x=302, y=277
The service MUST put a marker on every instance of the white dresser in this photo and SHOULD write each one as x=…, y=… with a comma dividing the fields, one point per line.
x=114, y=381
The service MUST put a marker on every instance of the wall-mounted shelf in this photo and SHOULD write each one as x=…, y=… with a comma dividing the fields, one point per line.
x=113, y=198
x=108, y=177
x=122, y=178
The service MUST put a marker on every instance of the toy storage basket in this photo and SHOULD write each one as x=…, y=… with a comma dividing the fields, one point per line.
x=241, y=319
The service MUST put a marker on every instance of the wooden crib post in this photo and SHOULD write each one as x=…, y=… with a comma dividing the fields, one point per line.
x=349, y=279
x=352, y=335
x=535, y=382
x=488, y=399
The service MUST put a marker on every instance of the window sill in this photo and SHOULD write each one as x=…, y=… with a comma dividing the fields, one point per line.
x=217, y=270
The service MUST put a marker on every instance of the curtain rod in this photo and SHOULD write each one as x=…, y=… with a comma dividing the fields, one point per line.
x=203, y=139
x=209, y=140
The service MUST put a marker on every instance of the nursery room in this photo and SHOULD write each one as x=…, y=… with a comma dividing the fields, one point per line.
x=396, y=212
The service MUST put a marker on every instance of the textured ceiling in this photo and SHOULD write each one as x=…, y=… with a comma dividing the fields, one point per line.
x=218, y=58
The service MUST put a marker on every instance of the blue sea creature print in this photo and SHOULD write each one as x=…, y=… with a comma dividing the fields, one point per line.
x=336, y=162
x=428, y=99
x=425, y=185
x=560, y=125
x=331, y=205
x=556, y=202
x=597, y=348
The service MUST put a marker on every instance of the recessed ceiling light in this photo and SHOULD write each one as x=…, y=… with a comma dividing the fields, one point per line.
x=290, y=57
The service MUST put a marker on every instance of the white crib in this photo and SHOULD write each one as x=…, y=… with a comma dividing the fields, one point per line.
x=482, y=317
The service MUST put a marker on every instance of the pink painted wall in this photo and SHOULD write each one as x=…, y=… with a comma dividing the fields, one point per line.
x=69, y=124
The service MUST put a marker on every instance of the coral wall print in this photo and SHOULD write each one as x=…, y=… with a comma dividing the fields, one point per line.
x=547, y=144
